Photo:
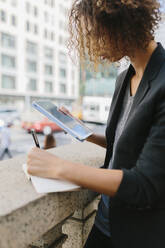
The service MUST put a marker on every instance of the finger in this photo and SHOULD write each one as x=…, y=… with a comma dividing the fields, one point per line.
x=65, y=110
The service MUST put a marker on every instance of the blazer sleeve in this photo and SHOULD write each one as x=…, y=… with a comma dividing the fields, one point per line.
x=144, y=184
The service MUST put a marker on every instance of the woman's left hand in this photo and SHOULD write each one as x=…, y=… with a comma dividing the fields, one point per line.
x=43, y=164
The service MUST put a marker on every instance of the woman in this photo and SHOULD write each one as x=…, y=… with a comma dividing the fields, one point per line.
x=131, y=212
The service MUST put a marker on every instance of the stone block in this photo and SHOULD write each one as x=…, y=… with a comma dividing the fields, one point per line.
x=52, y=237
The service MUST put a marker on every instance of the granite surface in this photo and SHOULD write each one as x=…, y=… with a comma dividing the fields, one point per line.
x=25, y=215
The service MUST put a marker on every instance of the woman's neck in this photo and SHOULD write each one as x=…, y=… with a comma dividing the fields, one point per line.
x=141, y=58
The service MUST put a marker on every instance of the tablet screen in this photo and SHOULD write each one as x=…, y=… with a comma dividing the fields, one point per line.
x=52, y=109
x=67, y=120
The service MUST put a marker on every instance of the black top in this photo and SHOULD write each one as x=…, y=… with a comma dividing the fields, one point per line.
x=137, y=212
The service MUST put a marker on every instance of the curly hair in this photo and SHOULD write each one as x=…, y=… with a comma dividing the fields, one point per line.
x=111, y=29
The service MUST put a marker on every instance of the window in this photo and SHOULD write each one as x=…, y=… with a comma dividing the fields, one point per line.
x=3, y=16
x=45, y=33
x=8, y=82
x=48, y=87
x=13, y=20
x=48, y=69
x=52, y=3
x=62, y=40
x=49, y=53
x=31, y=66
x=28, y=7
x=62, y=88
x=31, y=48
x=107, y=108
x=8, y=61
x=14, y=3
x=62, y=57
x=52, y=36
x=28, y=26
x=52, y=20
x=62, y=73
x=46, y=16
x=35, y=11
x=8, y=40
x=35, y=29
x=32, y=84
x=63, y=10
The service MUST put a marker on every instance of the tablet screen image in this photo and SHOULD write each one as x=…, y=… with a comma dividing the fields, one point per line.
x=66, y=122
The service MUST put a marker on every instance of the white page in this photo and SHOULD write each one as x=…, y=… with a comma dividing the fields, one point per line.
x=44, y=185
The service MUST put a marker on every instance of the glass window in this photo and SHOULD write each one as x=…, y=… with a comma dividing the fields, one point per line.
x=48, y=69
x=13, y=20
x=49, y=52
x=3, y=16
x=62, y=73
x=48, y=87
x=35, y=29
x=8, y=82
x=46, y=16
x=60, y=40
x=52, y=36
x=62, y=88
x=31, y=66
x=35, y=11
x=8, y=61
x=28, y=7
x=62, y=57
x=8, y=40
x=28, y=26
x=32, y=84
x=52, y=20
x=31, y=48
x=14, y=3
x=45, y=33
x=52, y=3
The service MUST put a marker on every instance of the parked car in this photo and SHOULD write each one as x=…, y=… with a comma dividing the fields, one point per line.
x=33, y=120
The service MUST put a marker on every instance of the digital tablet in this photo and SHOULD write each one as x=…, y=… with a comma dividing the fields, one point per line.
x=66, y=122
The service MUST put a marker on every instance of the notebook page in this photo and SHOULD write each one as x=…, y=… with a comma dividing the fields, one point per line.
x=44, y=185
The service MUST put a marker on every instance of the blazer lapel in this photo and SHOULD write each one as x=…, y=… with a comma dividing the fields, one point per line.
x=117, y=102
x=152, y=69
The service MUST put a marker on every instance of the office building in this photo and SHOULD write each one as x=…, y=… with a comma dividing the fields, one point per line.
x=34, y=60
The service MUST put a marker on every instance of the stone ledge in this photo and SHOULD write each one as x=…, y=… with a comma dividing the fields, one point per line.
x=26, y=215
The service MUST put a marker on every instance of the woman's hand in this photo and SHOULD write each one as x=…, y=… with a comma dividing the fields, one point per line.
x=44, y=164
x=66, y=111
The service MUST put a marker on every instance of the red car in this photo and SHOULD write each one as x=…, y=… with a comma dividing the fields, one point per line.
x=41, y=126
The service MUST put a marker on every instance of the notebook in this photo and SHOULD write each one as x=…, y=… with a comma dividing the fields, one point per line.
x=44, y=185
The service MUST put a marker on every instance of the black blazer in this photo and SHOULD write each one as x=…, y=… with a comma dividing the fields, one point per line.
x=137, y=212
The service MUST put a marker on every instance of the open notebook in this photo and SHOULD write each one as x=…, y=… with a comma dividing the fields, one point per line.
x=44, y=185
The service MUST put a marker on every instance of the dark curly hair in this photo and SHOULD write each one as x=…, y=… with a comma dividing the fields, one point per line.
x=111, y=29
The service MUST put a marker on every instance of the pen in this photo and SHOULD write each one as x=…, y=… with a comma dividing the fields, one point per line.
x=35, y=138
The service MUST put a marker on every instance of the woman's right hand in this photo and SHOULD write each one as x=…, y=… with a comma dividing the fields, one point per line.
x=66, y=111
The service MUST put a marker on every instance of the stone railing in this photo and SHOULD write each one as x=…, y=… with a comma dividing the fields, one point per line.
x=28, y=219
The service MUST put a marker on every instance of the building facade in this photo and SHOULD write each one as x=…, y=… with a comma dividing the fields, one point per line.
x=34, y=60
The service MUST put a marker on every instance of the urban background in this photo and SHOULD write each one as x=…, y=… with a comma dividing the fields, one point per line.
x=35, y=65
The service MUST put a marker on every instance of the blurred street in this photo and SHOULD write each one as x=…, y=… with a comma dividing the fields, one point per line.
x=22, y=141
